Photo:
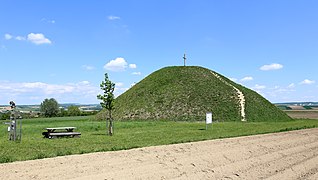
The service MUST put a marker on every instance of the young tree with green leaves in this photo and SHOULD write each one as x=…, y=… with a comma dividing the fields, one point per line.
x=107, y=99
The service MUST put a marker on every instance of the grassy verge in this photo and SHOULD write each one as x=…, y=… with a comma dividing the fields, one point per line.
x=127, y=135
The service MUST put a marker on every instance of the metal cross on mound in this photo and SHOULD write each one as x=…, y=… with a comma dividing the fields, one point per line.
x=184, y=59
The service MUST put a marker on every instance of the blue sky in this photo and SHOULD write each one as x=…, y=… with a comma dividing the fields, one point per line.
x=62, y=49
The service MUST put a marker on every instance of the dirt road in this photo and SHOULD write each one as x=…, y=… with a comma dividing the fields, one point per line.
x=288, y=155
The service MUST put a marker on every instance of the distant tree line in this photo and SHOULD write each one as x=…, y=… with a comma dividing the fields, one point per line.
x=50, y=108
x=4, y=116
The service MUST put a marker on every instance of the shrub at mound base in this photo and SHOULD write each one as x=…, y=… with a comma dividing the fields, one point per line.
x=187, y=93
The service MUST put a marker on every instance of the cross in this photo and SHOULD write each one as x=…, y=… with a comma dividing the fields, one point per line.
x=184, y=58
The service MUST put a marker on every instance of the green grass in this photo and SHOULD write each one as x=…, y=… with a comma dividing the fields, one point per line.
x=128, y=134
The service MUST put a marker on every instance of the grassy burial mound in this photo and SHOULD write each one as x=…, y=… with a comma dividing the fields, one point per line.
x=187, y=93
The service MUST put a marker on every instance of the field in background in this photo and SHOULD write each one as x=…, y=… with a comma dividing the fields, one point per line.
x=300, y=110
x=128, y=135
x=302, y=114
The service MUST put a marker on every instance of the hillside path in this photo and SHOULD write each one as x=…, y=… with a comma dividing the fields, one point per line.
x=240, y=96
x=287, y=155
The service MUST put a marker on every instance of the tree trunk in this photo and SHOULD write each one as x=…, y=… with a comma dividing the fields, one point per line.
x=106, y=125
x=110, y=127
x=110, y=130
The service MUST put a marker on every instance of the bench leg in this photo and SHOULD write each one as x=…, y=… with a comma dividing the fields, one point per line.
x=52, y=137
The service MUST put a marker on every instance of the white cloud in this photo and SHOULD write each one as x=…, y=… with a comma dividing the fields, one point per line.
x=59, y=89
x=34, y=85
x=35, y=92
x=274, y=93
x=119, y=84
x=38, y=39
x=47, y=88
x=245, y=79
x=112, y=18
x=270, y=67
x=307, y=81
x=20, y=38
x=88, y=67
x=8, y=36
x=84, y=83
x=136, y=73
x=117, y=65
x=292, y=85
x=259, y=87
x=48, y=21
x=132, y=66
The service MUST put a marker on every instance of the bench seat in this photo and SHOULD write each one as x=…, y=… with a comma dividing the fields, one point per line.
x=61, y=134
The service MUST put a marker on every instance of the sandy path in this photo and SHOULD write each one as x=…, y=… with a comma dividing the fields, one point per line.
x=239, y=93
x=288, y=155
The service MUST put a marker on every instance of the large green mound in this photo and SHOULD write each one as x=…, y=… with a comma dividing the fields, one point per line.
x=187, y=93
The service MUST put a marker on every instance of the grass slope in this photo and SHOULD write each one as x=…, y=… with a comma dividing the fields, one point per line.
x=187, y=93
x=258, y=108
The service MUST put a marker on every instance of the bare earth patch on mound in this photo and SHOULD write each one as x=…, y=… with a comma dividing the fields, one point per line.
x=287, y=155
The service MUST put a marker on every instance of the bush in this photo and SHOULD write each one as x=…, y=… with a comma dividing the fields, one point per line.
x=4, y=116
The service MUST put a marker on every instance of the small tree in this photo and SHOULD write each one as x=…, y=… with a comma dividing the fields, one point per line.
x=107, y=100
x=73, y=111
x=63, y=112
x=49, y=107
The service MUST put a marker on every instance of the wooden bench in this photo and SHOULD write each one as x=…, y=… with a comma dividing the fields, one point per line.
x=60, y=132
